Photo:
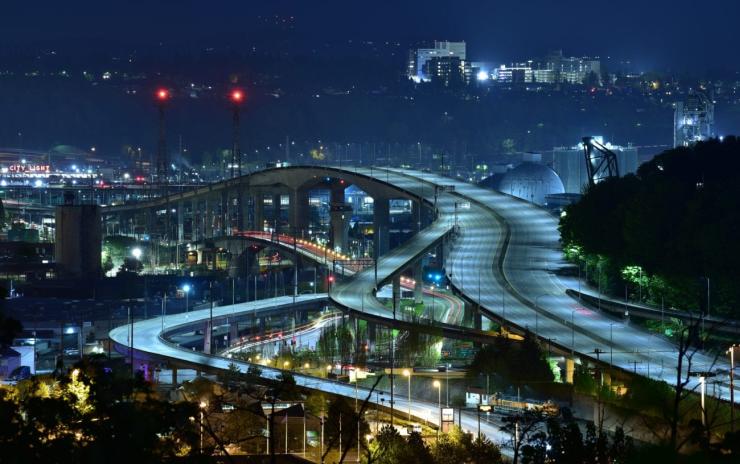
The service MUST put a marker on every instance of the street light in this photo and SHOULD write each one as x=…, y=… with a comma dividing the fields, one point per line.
x=537, y=307
x=731, y=351
x=438, y=386
x=407, y=373
x=703, y=383
x=484, y=408
x=572, y=332
x=447, y=384
x=136, y=253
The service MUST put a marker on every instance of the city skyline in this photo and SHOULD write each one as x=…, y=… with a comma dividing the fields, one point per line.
x=653, y=35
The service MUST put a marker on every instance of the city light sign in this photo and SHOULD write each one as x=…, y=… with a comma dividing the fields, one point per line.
x=29, y=169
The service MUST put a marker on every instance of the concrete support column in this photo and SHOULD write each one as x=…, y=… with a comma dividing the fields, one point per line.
x=299, y=211
x=174, y=377
x=418, y=282
x=259, y=212
x=416, y=215
x=381, y=221
x=233, y=332
x=570, y=367
x=397, y=291
x=275, y=219
x=477, y=320
x=340, y=214
x=243, y=206
x=207, y=338
x=371, y=335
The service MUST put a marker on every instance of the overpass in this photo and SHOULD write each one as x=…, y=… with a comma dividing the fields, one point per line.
x=150, y=344
x=503, y=258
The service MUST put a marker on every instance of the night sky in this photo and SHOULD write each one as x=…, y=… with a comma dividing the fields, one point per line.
x=668, y=34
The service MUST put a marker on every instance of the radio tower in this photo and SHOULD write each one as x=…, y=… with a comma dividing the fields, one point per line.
x=237, y=98
x=162, y=163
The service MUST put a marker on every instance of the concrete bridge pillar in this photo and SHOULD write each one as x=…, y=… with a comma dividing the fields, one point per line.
x=276, y=207
x=416, y=215
x=207, y=337
x=243, y=208
x=397, y=292
x=174, y=377
x=208, y=218
x=477, y=321
x=418, y=282
x=372, y=328
x=381, y=221
x=340, y=214
x=259, y=212
x=570, y=367
x=233, y=332
x=194, y=221
x=299, y=211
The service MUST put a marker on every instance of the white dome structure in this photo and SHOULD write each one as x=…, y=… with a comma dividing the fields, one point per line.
x=531, y=182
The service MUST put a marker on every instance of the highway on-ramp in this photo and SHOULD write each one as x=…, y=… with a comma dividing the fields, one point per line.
x=150, y=342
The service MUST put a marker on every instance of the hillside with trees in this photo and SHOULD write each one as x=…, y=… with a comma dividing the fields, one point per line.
x=667, y=234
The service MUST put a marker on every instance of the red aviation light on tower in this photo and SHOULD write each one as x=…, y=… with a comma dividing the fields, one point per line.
x=162, y=95
x=236, y=96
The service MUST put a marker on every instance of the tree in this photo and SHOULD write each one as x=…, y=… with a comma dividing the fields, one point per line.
x=452, y=447
x=674, y=219
x=9, y=329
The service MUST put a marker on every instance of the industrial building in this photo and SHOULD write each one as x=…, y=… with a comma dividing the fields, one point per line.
x=529, y=181
x=570, y=164
x=693, y=120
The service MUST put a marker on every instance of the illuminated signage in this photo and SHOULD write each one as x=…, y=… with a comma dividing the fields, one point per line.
x=29, y=168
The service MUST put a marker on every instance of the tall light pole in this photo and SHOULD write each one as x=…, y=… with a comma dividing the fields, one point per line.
x=447, y=384
x=210, y=318
x=611, y=345
x=703, y=383
x=732, y=387
x=536, y=315
x=438, y=386
x=407, y=374
x=572, y=332
x=164, y=308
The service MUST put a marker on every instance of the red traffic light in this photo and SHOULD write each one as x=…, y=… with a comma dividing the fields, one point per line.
x=236, y=96
x=331, y=278
x=163, y=94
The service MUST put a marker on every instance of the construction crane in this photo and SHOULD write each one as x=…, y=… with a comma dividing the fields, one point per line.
x=601, y=162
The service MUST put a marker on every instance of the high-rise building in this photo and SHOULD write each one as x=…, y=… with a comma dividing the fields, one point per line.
x=445, y=70
x=444, y=53
x=693, y=120
x=570, y=164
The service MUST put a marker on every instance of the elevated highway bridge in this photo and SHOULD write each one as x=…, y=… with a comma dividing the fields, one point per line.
x=502, y=255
